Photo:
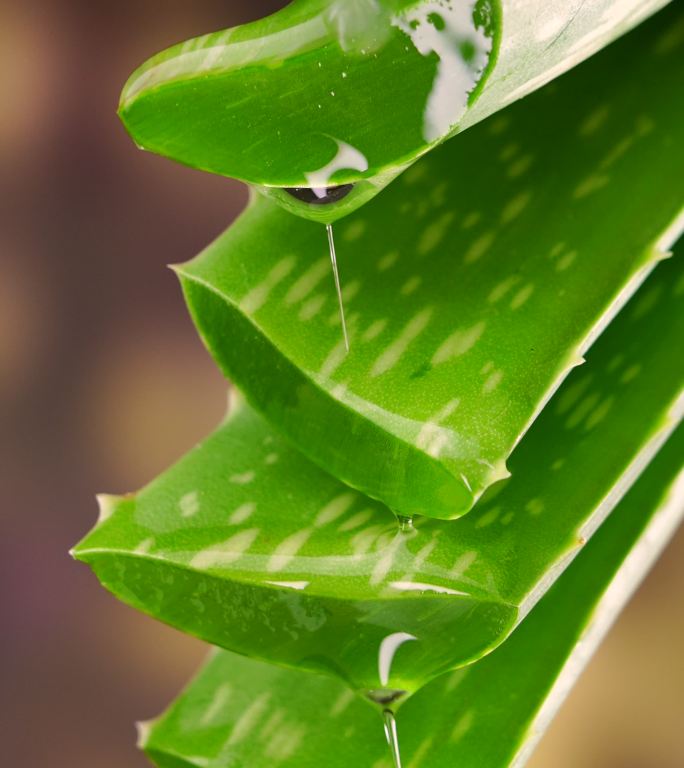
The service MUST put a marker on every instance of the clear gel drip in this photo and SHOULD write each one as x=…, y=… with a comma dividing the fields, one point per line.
x=405, y=523
x=333, y=259
x=392, y=736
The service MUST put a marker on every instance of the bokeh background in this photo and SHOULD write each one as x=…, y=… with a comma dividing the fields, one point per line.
x=103, y=383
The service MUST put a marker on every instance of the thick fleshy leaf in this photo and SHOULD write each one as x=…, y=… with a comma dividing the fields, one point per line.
x=244, y=714
x=472, y=287
x=322, y=93
x=248, y=545
x=346, y=91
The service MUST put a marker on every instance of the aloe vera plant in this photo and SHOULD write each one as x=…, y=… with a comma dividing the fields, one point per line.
x=476, y=284
x=241, y=712
x=307, y=74
x=324, y=579
x=452, y=287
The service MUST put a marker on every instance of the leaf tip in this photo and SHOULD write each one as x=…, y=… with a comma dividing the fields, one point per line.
x=106, y=504
x=662, y=255
x=500, y=472
x=143, y=728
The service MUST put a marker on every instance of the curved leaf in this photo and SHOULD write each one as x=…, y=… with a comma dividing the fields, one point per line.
x=472, y=287
x=240, y=713
x=324, y=92
x=249, y=546
x=346, y=91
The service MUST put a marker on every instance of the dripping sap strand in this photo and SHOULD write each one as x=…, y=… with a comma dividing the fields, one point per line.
x=392, y=736
x=336, y=275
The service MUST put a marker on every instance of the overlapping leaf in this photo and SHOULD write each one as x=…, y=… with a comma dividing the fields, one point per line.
x=336, y=91
x=244, y=714
x=248, y=545
x=472, y=287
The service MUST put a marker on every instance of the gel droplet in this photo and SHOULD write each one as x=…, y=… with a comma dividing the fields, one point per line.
x=405, y=523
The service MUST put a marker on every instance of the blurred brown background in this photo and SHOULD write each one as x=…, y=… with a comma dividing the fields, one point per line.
x=103, y=383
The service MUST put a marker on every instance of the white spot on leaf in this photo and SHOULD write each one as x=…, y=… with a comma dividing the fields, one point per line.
x=189, y=504
x=242, y=513
x=460, y=342
x=257, y=297
x=334, y=509
x=287, y=550
x=394, y=352
x=478, y=248
x=243, y=478
x=226, y=553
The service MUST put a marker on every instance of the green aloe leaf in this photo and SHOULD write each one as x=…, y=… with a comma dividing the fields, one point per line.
x=248, y=545
x=324, y=92
x=347, y=91
x=241, y=713
x=472, y=287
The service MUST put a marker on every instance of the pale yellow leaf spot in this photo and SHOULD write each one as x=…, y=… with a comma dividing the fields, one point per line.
x=395, y=351
x=509, y=152
x=522, y=296
x=520, y=167
x=434, y=234
x=463, y=725
x=590, y=185
x=189, y=504
x=599, y=413
x=307, y=283
x=594, y=121
x=478, y=248
x=388, y=261
x=460, y=342
x=243, y=478
x=471, y=220
x=312, y=307
x=354, y=231
x=242, y=513
x=631, y=373
x=411, y=285
x=536, y=506
x=514, y=208
x=258, y=296
x=288, y=549
x=492, y=382
x=226, y=553
x=501, y=289
x=374, y=330
x=566, y=261
x=334, y=509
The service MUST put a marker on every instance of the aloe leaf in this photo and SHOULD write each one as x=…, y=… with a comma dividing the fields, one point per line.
x=358, y=88
x=239, y=712
x=323, y=92
x=472, y=288
x=248, y=545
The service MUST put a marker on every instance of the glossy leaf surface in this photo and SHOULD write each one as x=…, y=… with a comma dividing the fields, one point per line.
x=244, y=714
x=471, y=287
x=324, y=92
x=338, y=91
x=248, y=545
